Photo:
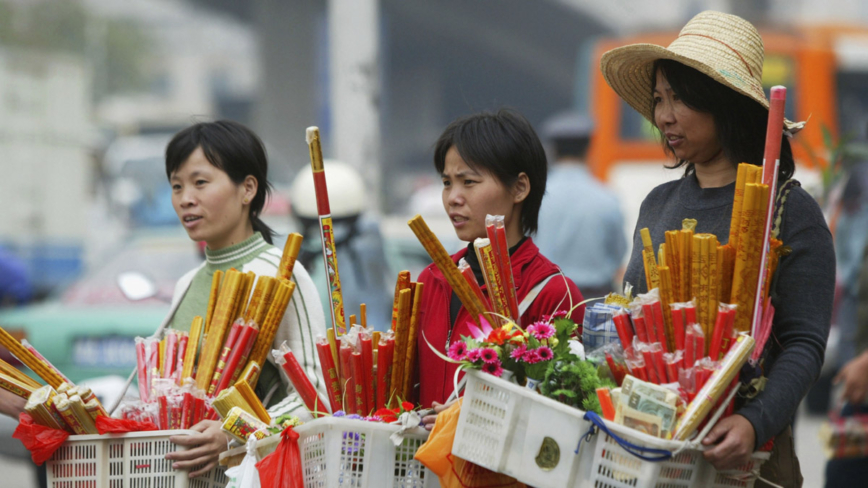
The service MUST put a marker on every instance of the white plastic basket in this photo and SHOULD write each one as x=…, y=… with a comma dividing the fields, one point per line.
x=134, y=460
x=512, y=430
x=355, y=453
x=504, y=427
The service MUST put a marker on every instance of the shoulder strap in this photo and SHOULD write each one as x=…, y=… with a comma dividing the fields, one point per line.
x=533, y=293
x=780, y=200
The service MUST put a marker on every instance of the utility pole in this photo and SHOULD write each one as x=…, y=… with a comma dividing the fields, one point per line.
x=354, y=66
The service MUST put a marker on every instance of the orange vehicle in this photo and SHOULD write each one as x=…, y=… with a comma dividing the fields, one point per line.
x=825, y=70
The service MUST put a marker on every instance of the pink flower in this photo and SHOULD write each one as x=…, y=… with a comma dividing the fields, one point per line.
x=544, y=353
x=541, y=330
x=489, y=355
x=476, y=332
x=518, y=352
x=493, y=368
x=458, y=351
x=531, y=356
x=559, y=314
x=472, y=355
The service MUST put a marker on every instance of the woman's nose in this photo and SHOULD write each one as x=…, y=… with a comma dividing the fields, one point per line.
x=455, y=197
x=664, y=114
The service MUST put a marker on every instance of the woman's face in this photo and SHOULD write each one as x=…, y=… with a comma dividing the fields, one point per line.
x=691, y=135
x=469, y=195
x=209, y=204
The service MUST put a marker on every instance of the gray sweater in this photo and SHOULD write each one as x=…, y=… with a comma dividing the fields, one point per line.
x=803, y=300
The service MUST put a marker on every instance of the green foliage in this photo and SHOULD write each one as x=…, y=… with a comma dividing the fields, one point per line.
x=574, y=383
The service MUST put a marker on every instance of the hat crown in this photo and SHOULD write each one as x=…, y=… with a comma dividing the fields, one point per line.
x=726, y=43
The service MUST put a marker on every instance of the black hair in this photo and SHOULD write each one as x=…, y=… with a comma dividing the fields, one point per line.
x=505, y=145
x=740, y=121
x=232, y=148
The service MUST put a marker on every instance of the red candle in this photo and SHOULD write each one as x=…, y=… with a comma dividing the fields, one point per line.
x=641, y=330
x=234, y=332
x=330, y=373
x=717, y=336
x=242, y=363
x=187, y=411
x=678, y=328
x=171, y=354
x=660, y=325
x=651, y=368
x=690, y=314
x=650, y=326
x=314, y=403
x=625, y=332
x=361, y=380
x=368, y=366
x=503, y=261
x=690, y=347
x=659, y=365
x=233, y=364
x=182, y=350
x=349, y=386
x=384, y=364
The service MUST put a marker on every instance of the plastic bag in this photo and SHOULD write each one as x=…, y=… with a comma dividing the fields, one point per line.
x=245, y=474
x=41, y=441
x=108, y=425
x=454, y=472
x=282, y=468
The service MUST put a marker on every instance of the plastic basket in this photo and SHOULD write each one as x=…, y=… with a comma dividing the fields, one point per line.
x=342, y=452
x=607, y=464
x=513, y=430
x=134, y=460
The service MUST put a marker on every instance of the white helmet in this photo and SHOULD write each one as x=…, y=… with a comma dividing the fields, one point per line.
x=345, y=185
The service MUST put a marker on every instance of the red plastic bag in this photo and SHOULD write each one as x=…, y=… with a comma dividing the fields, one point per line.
x=40, y=440
x=282, y=468
x=108, y=425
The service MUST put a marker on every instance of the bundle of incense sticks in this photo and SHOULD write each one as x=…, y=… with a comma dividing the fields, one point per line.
x=749, y=238
x=290, y=255
x=446, y=266
x=495, y=228
x=405, y=345
x=30, y=360
x=652, y=277
x=494, y=282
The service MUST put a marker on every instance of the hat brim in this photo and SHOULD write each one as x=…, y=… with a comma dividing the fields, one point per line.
x=629, y=71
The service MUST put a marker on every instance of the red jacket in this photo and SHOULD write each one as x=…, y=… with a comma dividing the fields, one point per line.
x=529, y=268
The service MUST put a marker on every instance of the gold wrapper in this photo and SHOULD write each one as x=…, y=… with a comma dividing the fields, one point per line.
x=228, y=399
x=652, y=276
x=714, y=388
x=69, y=417
x=84, y=418
x=94, y=409
x=258, y=409
x=240, y=425
x=41, y=408
x=15, y=386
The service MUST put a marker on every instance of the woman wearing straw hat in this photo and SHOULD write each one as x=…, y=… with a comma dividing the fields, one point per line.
x=704, y=95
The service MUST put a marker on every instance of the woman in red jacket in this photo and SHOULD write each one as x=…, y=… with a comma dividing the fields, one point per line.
x=490, y=163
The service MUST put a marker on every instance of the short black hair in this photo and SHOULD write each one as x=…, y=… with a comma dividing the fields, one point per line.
x=232, y=148
x=740, y=121
x=505, y=145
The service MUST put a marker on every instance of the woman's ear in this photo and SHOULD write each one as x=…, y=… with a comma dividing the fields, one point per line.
x=251, y=185
x=521, y=188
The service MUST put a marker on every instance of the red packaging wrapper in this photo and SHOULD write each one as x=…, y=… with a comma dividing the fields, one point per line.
x=230, y=343
x=330, y=373
x=690, y=314
x=108, y=425
x=314, y=403
x=673, y=362
x=142, y=368
x=183, y=339
x=678, y=327
x=171, y=354
x=659, y=365
x=714, y=348
x=283, y=467
x=641, y=329
x=368, y=366
x=233, y=367
x=650, y=326
x=651, y=369
x=187, y=411
x=471, y=280
x=200, y=409
x=345, y=353
x=384, y=364
x=164, y=412
x=361, y=379
x=242, y=363
x=625, y=330
x=503, y=262
x=660, y=326
x=729, y=335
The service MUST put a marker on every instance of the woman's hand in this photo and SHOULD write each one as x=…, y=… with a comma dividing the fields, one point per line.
x=204, y=448
x=11, y=404
x=854, y=375
x=428, y=420
x=734, y=438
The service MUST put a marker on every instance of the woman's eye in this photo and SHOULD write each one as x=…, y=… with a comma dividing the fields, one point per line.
x=176, y=187
x=657, y=100
x=200, y=182
x=468, y=182
x=446, y=183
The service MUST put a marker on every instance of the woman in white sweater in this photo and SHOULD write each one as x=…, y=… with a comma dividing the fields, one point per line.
x=218, y=172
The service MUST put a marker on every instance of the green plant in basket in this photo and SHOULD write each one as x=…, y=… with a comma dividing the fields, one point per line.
x=574, y=383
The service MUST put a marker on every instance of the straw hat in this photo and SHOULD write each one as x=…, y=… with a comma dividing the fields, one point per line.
x=725, y=47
